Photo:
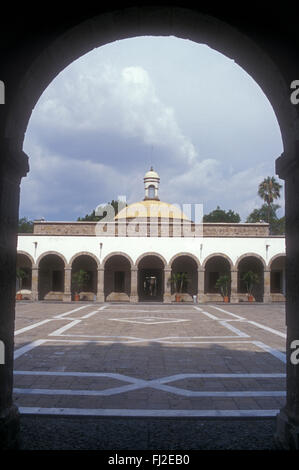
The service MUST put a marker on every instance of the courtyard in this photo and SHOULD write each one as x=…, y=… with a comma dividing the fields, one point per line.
x=150, y=360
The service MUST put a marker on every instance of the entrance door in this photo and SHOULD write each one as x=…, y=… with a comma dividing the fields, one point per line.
x=150, y=285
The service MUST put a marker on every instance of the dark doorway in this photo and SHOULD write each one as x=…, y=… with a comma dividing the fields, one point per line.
x=150, y=285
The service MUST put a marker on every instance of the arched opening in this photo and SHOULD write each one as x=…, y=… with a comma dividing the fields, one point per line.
x=186, y=23
x=184, y=277
x=278, y=278
x=84, y=277
x=151, y=279
x=51, y=278
x=215, y=267
x=24, y=276
x=151, y=191
x=117, y=279
x=248, y=283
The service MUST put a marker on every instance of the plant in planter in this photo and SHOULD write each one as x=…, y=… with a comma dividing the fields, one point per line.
x=178, y=280
x=20, y=274
x=223, y=285
x=79, y=279
x=250, y=279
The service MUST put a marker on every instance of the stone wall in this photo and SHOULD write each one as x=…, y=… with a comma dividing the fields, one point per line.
x=154, y=229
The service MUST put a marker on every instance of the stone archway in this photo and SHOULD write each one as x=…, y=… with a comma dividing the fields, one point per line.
x=216, y=265
x=277, y=266
x=251, y=263
x=25, y=262
x=187, y=265
x=34, y=68
x=117, y=277
x=151, y=277
x=88, y=264
x=51, y=276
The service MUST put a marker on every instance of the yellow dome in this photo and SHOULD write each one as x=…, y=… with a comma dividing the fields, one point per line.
x=151, y=208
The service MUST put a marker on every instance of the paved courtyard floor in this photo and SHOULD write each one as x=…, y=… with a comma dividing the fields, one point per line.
x=149, y=360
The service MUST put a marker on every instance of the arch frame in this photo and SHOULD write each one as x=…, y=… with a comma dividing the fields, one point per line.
x=133, y=21
x=274, y=257
x=150, y=253
x=250, y=255
x=83, y=253
x=214, y=255
x=116, y=253
x=30, y=257
x=46, y=253
x=186, y=254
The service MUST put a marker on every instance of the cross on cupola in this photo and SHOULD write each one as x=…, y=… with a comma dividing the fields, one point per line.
x=151, y=185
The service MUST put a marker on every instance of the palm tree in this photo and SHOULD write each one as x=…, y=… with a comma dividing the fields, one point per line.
x=269, y=190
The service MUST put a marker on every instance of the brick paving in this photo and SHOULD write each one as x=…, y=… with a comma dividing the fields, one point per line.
x=149, y=359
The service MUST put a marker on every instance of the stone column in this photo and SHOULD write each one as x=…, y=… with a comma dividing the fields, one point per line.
x=167, y=286
x=13, y=166
x=267, y=286
x=287, y=430
x=234, y=287
x=67, y=295
x=100, y=285
x=201, y=298
x=34, y=284
x=134, y=283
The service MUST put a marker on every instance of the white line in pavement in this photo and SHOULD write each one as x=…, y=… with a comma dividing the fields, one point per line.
x=31, y=327
x=88, y=315
x=154, y=384
x=234, y=329
x=19, y=352
x=274, y=352
x=72, y=311
x=171, y=378
x=206, y=313
x=267, y=328
x=228, y=313
x=64, y=328
x=148, y=413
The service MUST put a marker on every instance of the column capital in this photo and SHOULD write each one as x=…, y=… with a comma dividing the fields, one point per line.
x=15, y=161
x=286, y=165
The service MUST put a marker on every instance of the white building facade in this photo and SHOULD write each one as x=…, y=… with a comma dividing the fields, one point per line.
x=135, y=257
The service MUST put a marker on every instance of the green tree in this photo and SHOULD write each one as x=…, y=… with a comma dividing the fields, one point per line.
x=269, y=191
x=220, y=215
x=79, y=280
x=268, y=214
x=25, y=225
x=92, y=217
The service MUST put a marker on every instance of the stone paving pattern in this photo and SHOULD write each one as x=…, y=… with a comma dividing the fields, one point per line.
x=146, y=342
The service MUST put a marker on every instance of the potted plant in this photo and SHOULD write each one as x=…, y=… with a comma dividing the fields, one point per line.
x=178, y=280
x=250, y=279
x=79, y=279
x=223, y=285
x=21, y=274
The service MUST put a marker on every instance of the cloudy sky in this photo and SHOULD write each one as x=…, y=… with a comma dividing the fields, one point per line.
x=192, y=113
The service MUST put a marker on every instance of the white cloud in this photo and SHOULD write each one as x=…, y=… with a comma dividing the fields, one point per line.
x=183, y=107
x=104, y=98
